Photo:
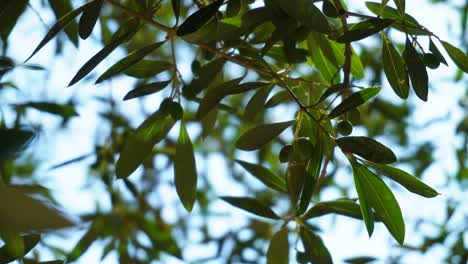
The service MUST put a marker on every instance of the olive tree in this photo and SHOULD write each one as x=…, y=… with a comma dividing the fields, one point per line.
x=286, y=92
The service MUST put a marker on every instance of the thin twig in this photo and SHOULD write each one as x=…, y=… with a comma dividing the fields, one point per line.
x=347, y=52
x=321, y=178
x=142, y=17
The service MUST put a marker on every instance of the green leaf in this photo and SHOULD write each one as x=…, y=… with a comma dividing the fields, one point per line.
x=394, y=68
x=139, y=145
x=206, y=77
x=381, y=199
x=146, y=89
x=327, y=69
x=458, y=56
x=255, y=17
x=433, y=48
x=280, y=97
x=366, y=148
x=329, y=9
x=401, y=5
x=258, y=136
x=28, y=242
x=83, y=244
x=364, y=203
x=407, y=180
x=364, y=29
x=389, y=12
x=329, y=91
x=214, y=96
x=58, y=26
x=176, y=9
x=306, y=13
x=9, y=15
x=417, y=71
x=233, y=7
x=255, y=106
x=13, y=141
x=313, y=172
x=345, y=207
x=353, y=101
x=315, y=249
x=185, y=170
x=99, y=57
x=360, y=260
x=208, y=122
x=264, y=175
x=66, y=111
x=251, y=205
x=61, y=8
x=295, y=179
x=278, y=250
x=128, y=61
x=89, y=18
x=147, y=68
x=23, y=213
x=199, y=18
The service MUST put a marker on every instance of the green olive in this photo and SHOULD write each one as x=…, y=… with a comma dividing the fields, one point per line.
x=344, y=127
x=286, y=154
x=303, y=148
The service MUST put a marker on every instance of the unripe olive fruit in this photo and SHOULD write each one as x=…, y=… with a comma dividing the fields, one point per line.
x=286, y=154
x=303, y=148
x=344, y=127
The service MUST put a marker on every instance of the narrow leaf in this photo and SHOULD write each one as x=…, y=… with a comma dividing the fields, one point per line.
x=128, y=61
x=353, y=101
x=176, y=9
x=345, y=207
x=458, y=56
x=264, y=175
x=313, y=172
x=198, y=19
x=214, y=95
x=251, y=205
x=364, y=203
x=61, y=8
x=306, y=13
x=66, y=111
x=23, y=213
x=367, y=148
x=433, y=48
x=28, y=243
x=417, y=71
x=401, y=5
x=58, y=26
x=381, y=199
x=365, y=29
x=255, y=106
x=139, y=145
x=394, y=68
x=13, y=141
x=258, y=136
x=185, y=170
x=146, y=89
x=329, y=91
x=99, y=57
x=89, y=18
x=315, y=249
x=278, y=250
x=407, y=180
x=147, y=68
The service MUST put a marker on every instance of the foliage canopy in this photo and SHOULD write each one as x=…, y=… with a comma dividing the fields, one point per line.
x=306, y=81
